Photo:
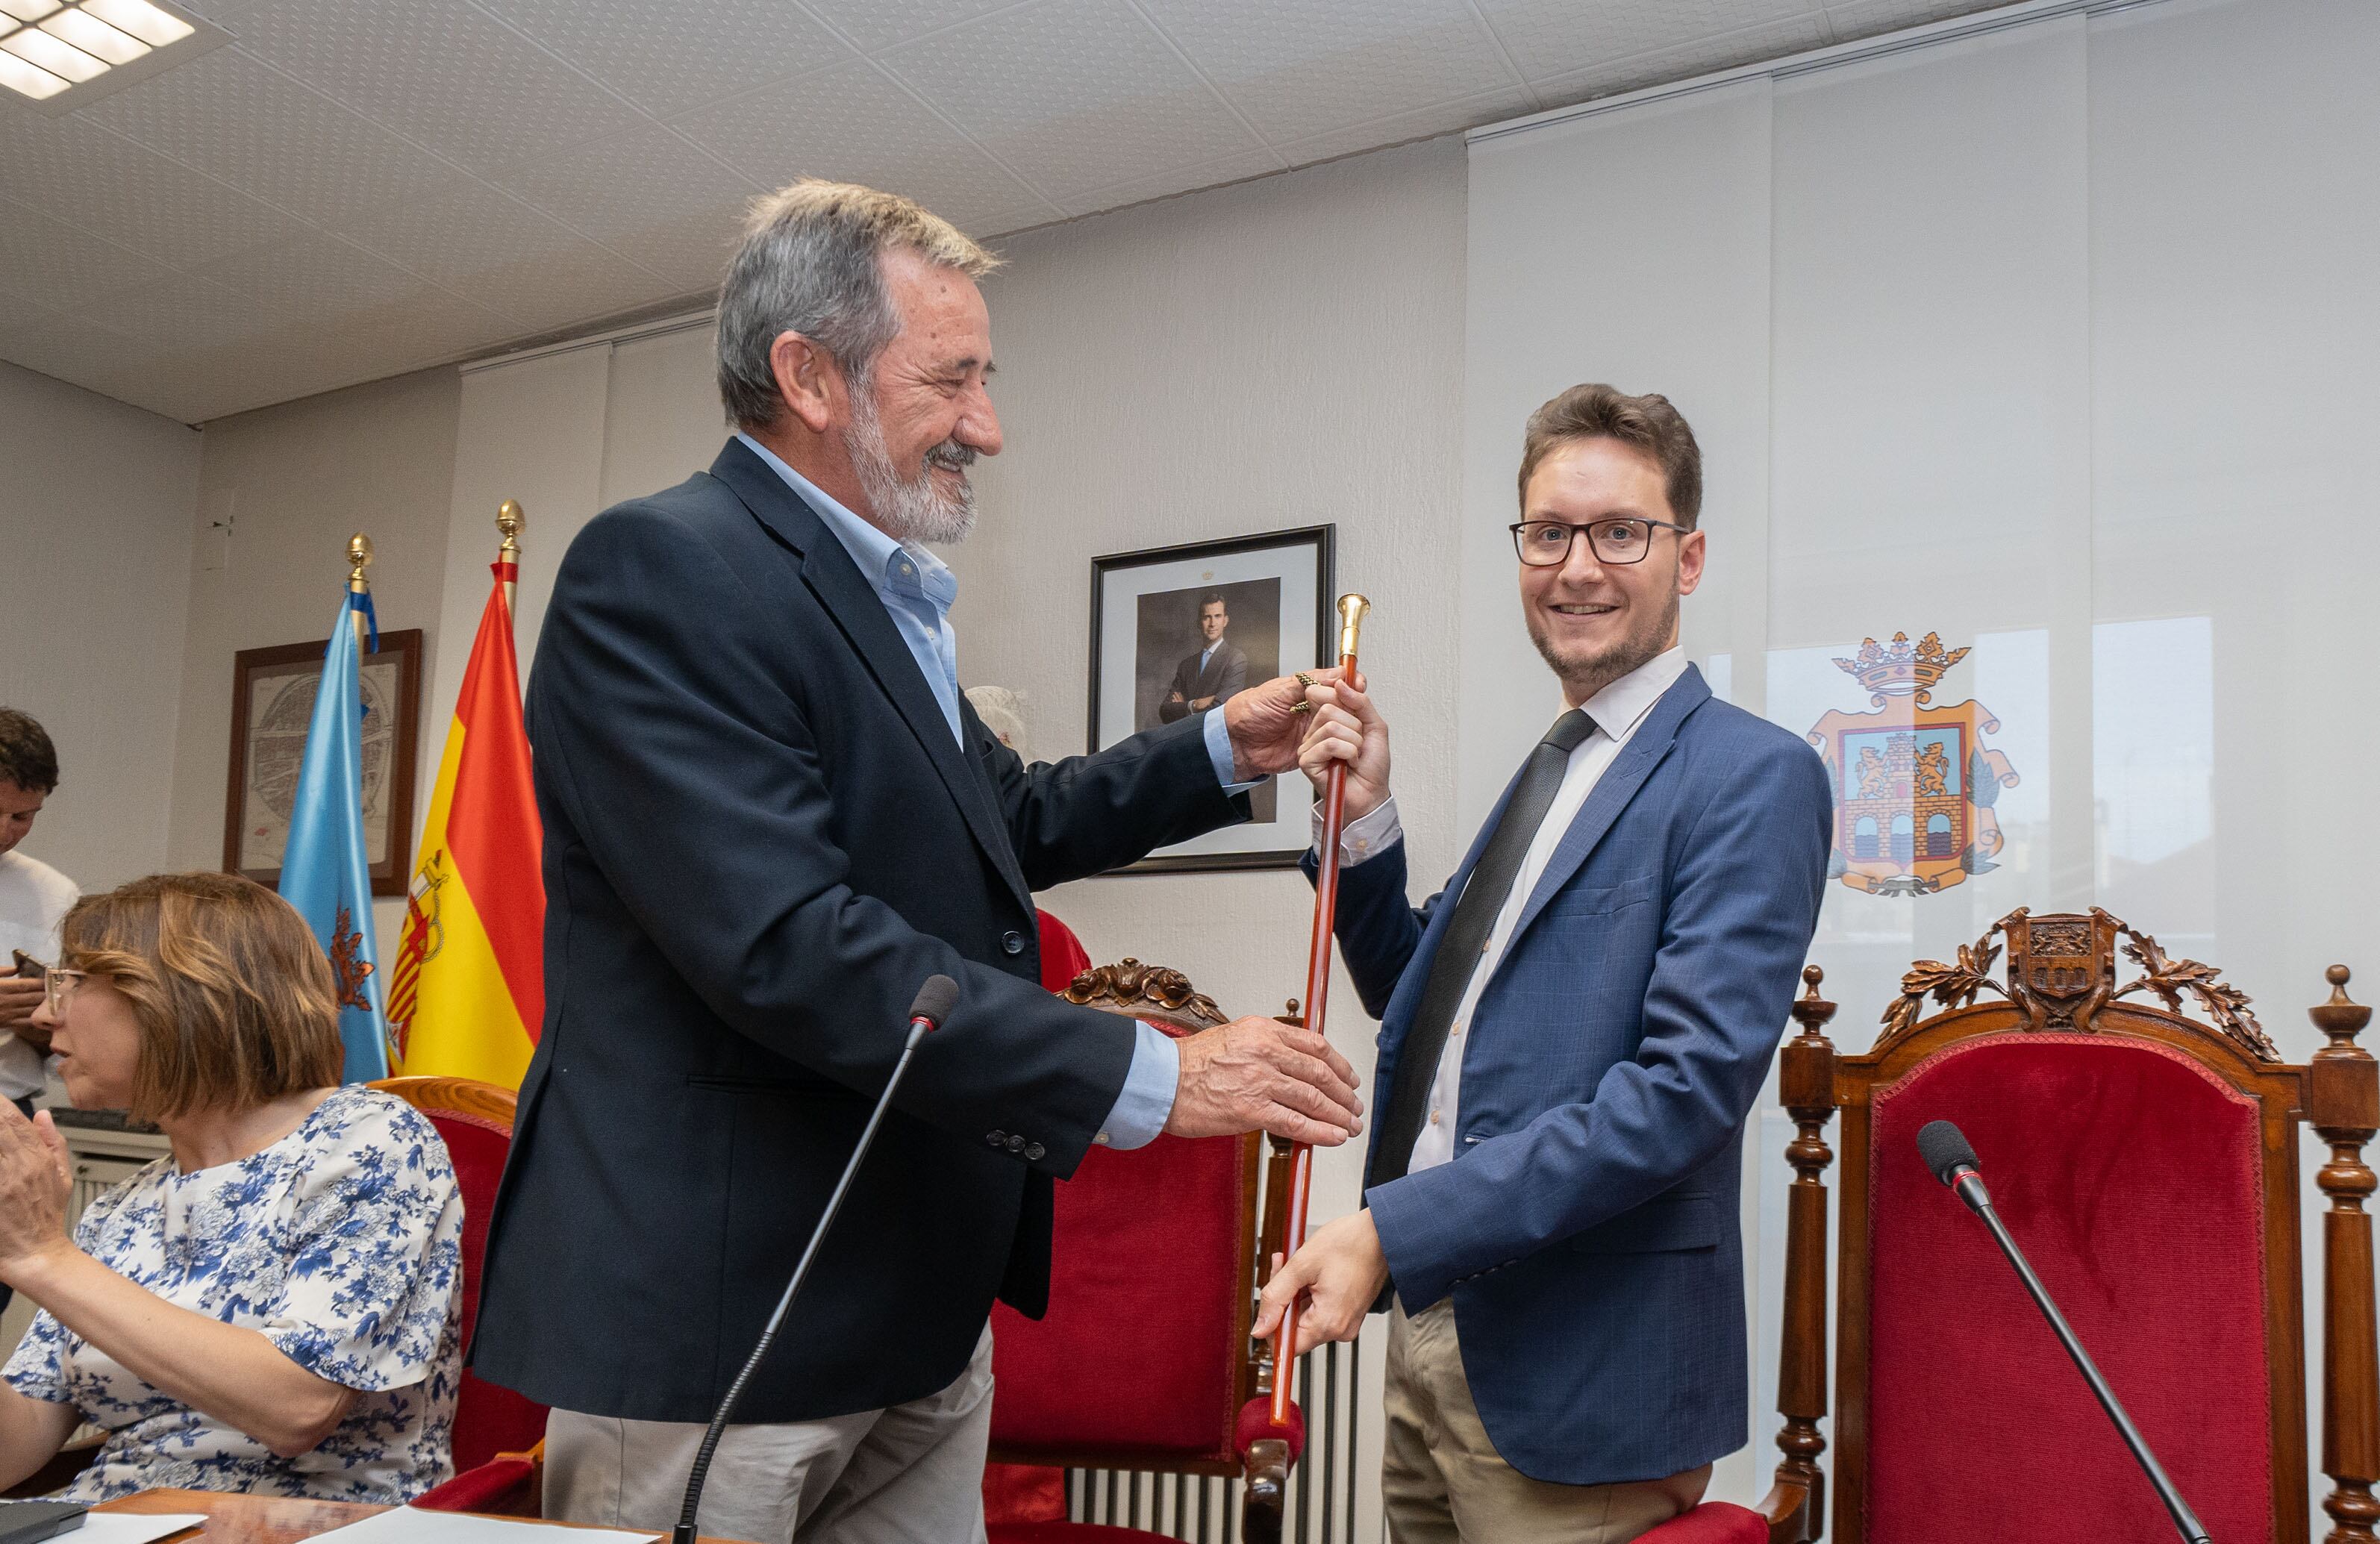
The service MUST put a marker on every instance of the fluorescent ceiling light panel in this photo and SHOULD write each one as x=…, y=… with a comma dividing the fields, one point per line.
x=95, y=37
x=29, y=80
x=54, y=55
x=27, y=10
x=141, y=19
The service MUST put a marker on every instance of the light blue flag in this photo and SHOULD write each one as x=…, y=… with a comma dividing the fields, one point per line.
x=323, y=870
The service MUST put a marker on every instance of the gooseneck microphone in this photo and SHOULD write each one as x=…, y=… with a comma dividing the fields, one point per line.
x=1952, y=1157
x=931, y=1006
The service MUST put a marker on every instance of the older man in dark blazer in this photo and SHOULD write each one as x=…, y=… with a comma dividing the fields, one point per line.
x=768, y=816
x=1573, y=1034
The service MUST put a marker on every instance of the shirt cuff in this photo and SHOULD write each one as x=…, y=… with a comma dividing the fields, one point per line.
x=1219, y=751
x=1147, y=1102
x=1368, y=837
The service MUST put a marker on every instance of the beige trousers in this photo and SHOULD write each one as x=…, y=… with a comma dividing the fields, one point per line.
x=909, y=1474
x=1442, y=1481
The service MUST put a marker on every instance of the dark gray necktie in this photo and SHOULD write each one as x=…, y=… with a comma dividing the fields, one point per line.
x=1467, y=934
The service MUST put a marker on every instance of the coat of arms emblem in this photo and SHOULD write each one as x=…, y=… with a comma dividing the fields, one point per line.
x=1914, y=784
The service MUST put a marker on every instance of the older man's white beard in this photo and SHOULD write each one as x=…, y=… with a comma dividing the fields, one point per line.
x=914, y=510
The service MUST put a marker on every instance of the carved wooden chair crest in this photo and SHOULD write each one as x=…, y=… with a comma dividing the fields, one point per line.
x=1143, y=1362
x=2147, y=1162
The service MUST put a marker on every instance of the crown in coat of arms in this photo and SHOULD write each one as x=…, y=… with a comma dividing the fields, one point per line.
x=1900, y=668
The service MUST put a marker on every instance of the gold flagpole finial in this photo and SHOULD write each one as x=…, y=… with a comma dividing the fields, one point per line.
x=360, y=556
x=512, y=520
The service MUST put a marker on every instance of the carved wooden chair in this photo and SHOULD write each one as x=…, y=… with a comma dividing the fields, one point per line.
x=1143, y=1363
x=2147, y=1163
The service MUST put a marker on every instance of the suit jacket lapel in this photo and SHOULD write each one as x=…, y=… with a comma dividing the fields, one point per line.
x=858, y=611
x=1644, y=750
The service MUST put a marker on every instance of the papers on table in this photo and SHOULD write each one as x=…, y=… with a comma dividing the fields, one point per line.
x=407, y=1524
x=133, y=1527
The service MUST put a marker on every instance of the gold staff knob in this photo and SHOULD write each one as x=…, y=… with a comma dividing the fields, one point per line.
x=511, y=521
x=360, y=556
x=1351, y=622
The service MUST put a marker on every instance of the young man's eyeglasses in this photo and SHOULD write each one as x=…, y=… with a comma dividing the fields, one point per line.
x=1622, y=538
x=58, y=988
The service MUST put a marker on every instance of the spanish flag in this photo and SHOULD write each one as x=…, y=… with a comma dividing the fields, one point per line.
x=468, y=990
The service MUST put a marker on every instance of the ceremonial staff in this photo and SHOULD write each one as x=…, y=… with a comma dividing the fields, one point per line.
x=1317, y=989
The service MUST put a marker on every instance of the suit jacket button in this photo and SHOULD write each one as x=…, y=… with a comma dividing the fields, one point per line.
x=997, y=1139
x=1033, y=1151
x=1016, y=1144
x=1011, y=942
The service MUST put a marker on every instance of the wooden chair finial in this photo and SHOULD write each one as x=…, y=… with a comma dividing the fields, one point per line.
x=2343, y=1107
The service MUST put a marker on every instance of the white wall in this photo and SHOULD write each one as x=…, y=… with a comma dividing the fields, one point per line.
x=95, y=500
x=293, y=483
x=2056, y=341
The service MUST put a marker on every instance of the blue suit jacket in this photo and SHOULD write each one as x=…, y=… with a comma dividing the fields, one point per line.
x=1587, y=1229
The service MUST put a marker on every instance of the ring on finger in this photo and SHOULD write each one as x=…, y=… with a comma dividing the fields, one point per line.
x=1304, y=679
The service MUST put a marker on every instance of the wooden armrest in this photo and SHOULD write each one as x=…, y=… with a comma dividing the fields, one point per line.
x=1266, y=1471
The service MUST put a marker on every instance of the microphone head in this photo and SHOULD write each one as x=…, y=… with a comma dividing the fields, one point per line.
x=1946, y=1151
x=935, y=1000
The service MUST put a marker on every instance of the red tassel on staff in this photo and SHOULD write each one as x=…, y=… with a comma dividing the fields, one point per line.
x=1318, y=989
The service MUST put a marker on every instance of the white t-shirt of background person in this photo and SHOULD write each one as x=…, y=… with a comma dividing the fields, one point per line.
x=34, y=898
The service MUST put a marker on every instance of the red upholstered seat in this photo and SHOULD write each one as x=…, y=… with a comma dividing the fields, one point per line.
x=1711, y=1523
x=1143, y=1361
x=2132, y=1178
x=494, y=1426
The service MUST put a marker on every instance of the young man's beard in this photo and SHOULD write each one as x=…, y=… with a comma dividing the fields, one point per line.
x=914, y=509
x=1584, y=675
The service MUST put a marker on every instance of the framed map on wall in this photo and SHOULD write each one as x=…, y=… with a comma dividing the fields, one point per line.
x=272, y=703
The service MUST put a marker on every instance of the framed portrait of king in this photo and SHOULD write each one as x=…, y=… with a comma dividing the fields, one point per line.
x=1175, y=631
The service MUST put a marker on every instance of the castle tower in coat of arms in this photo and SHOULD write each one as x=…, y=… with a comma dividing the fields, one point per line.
x=1914, y=784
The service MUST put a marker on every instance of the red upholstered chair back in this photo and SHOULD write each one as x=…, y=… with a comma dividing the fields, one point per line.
x=2146, y=1163
x=476, y=1120
x=1142, y=1361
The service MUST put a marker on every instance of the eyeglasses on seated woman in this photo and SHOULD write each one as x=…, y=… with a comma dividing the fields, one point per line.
x=271, y=1308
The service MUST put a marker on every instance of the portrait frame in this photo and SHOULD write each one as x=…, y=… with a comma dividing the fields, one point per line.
x=264, y=752
x=1147, y=638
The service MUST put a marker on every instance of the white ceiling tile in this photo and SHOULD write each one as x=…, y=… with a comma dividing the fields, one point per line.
x=666, y=55
x=230, y=117
x=478, y=242
x=1685, y=61
x=1073, y=95
x=874, y=24
x=20, y=311
x=649, y=194
x=1297, y=71
x=80, y=352
x=317, y=276
x=439, y=72
x=1445, y=118
x=1181, y=179
x=182, y=313
x=1549, y=38
x=1865, y=19
x=854, y=125
x=40, y=255
x=129, y=194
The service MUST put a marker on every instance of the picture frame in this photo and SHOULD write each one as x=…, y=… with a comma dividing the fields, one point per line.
x=1151, y=663
x=271, y=705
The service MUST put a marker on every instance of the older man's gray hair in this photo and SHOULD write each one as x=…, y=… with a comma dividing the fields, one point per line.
x=809, y=265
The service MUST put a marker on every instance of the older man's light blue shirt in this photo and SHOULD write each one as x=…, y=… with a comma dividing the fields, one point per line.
x=917, y=589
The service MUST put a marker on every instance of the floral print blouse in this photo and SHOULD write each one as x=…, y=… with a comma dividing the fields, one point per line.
x=341, y=1244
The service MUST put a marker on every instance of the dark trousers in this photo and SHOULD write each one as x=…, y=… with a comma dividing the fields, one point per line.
x=7, y=1293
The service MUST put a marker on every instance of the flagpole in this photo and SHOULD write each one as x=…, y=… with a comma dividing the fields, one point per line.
x=511, y=520
x=360, y=556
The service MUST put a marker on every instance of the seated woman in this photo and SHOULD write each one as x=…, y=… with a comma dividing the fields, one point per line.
x=274, y=1307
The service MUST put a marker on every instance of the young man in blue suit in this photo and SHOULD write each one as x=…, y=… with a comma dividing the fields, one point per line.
x=1573, y=1033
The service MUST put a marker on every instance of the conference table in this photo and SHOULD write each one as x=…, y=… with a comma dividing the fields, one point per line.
x=237, y=1519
